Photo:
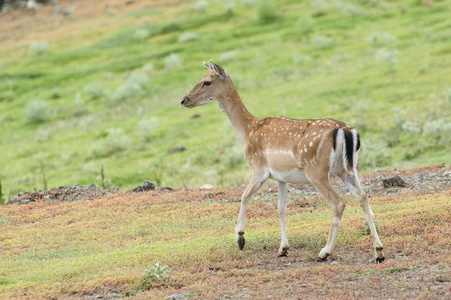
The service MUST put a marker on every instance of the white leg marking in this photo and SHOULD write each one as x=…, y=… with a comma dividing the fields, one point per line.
x=282, y=208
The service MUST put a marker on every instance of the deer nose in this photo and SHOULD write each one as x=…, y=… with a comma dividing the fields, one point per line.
x=184, y=100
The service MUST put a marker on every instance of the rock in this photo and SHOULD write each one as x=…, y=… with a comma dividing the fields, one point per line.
x=206, y=187
x=176, y=149
x=166, y=188
x=395, y=181
x=147, y=186
x=94, y=186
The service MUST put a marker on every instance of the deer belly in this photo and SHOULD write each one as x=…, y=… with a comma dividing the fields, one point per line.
x=296, y=176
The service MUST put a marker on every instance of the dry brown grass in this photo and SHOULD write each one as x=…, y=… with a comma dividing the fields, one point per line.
x=100, y=248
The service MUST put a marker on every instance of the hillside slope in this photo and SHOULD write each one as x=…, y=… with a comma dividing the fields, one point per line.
x=90, y=91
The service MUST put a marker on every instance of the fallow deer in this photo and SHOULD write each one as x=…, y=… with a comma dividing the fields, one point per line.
x=289, y=151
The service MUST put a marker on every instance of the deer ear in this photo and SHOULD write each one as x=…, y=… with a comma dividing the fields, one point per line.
x=219, y=70
x=209, y=67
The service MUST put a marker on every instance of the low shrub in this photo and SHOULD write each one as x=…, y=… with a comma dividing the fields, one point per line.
x=200, y=5
x=188, y=37
x=38, y=48
x=321, y=42
x=94, y=90
x=37, y=110
x=140, y=35
x=173, y=61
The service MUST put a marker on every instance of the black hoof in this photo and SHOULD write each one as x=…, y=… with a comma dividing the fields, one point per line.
x=379, y=259
x=241, y=241
x=321, y=259
x=284, y=252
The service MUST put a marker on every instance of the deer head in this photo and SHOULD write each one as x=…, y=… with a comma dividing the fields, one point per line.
x=212, y=87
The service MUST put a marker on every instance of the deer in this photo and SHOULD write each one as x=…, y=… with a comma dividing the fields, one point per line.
x=288, y=151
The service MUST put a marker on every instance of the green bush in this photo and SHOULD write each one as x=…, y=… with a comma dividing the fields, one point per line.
x=37, y=110
x=200, y=5
x=321, y=42
x=173, y=61
x=132, y=87
x=38, y=48
x=438, y=130
x=381, y=39
x=188, y=37
x=95, y=90
x=140, y=35
x=320, y=8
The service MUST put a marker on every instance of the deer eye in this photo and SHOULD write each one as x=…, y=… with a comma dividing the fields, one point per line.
x=207, y=83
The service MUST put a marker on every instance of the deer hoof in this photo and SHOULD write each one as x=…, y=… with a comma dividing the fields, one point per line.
x=380, y=259
x=283, y=252
x=241, y=240
x=321, y=259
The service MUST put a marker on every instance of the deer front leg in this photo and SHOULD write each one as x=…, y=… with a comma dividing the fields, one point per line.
x=282, y=208
x=256, y=182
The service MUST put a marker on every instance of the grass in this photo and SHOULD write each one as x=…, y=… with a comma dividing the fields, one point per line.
x=302, y=60
x=155, y=244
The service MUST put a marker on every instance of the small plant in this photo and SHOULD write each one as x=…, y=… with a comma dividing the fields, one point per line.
x=438, y=130
x=347, y=8
x=230, y=8
x=411, y=127
x=387, y=56
x=320, y=8
x=366, y=230
x=227, y=56
x=38, y=48
x=266, y=11
x=37, y=111
x=381, y=39
x=173, y=61
x=249, y=3
x=138, y=78
x=375, y=155
x=188, y=37
x=140, y=35
x=300, y=58
x=127, y=90
x=321, y=42
x=132, y=87
x=156, y=276
x=305, y=25
x=94, y=90
x=200, y=5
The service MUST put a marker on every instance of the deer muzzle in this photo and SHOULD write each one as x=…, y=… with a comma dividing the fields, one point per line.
x=184, y=100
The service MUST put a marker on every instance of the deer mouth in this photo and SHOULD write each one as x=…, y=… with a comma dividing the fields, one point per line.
x=185, y=102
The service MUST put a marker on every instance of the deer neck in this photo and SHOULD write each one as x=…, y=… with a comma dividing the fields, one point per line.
x=241, y=119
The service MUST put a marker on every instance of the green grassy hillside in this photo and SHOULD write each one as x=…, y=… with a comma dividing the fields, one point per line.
x=103, y=88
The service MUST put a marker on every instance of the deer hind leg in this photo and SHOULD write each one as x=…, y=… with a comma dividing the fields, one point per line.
x=323, y=186
x=256, y=182
x=282, y=208
x=353, y=184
